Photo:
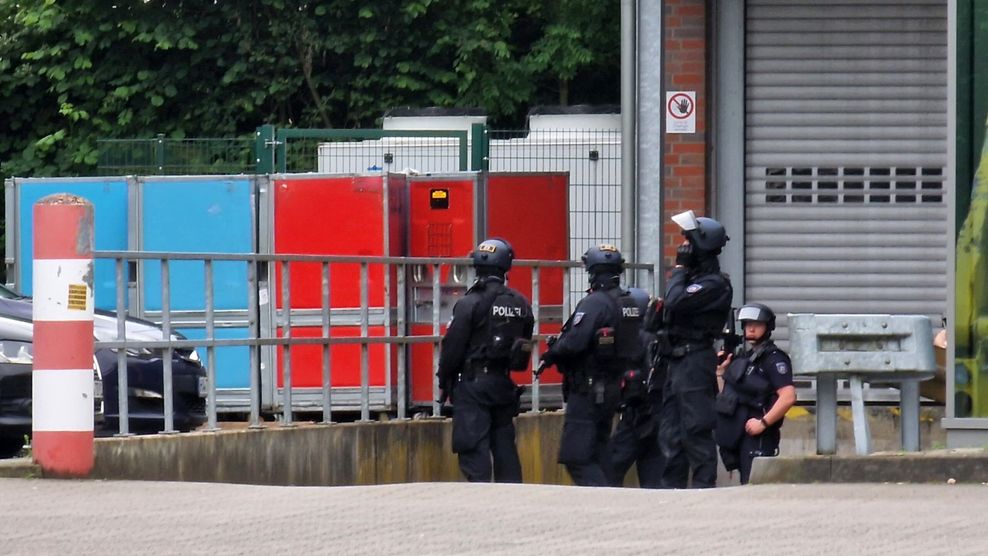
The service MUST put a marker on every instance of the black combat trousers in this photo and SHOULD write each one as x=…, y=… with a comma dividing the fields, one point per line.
x=636, y=441
x=765, y=444
x=688, y=419
x=587, y=431
x=484, y=408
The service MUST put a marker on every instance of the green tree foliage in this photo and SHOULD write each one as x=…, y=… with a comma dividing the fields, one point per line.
x=73, y=71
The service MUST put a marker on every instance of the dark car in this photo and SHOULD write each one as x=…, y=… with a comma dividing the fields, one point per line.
x=145, y=399
x=15, y=393
x=145, y=379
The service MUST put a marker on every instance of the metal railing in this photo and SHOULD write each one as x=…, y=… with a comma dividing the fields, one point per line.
x=399, y=313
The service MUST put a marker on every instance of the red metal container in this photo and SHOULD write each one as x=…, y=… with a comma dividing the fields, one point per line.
x=531, y=211
x=442, y=222
x=338, y=215
x=449, y=215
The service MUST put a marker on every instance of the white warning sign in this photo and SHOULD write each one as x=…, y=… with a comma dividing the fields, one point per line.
x=681, y=112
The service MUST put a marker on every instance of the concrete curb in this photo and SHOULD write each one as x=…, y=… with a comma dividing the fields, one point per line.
x=939, y=466
x=19, y=468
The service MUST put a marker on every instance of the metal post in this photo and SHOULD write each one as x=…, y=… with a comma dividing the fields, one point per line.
x=649, y=135
x=403, y=333
x=122, y=388
x=536, y=306
x=826, y=414
x=436, y=408
x=464, y=156
x=166, y=356
x=862, y=438
x=327, y=362
x=479, y=159
x=909, y=407
x=264, y=149
x=566, y=293
x=159, y=153
x=286, y=347
x=254, y=349
x=364, y=347
x=210, y=349
x=629, y=194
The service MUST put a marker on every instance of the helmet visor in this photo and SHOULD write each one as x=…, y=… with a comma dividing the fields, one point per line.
x=751, y=313
x=686, y=221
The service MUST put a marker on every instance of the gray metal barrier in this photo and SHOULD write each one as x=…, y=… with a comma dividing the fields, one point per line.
x=265, y=334
x=896, y=349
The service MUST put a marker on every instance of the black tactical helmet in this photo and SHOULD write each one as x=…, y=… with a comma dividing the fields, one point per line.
x=756, y=312
x=603, y=257
x=494, y=253
x=709, y=235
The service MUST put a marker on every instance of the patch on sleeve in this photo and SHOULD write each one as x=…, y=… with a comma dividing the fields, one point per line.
x=577, y=318
x=782, y=367
x=450, y=323
x=693, y=288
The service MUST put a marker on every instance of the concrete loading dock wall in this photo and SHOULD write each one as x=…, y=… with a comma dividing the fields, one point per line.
x=401, y=451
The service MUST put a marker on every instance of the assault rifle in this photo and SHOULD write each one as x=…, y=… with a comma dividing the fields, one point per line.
x=732, y=340
x=543, y=365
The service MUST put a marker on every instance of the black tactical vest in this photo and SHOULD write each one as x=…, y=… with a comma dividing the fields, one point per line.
x=619, y=348
x=507, y=345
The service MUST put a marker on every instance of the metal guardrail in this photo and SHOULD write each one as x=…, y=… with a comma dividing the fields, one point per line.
x=895, y=349
x=397, y=315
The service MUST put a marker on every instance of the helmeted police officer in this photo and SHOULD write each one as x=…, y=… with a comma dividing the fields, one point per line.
x=489, y=336
x=697, y=304
x=596, y=345
x=636, y=436
x=757, y=392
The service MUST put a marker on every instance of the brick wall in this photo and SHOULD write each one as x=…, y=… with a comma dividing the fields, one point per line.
x=685, y=159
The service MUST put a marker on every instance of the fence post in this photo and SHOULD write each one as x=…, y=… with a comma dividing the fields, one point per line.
x=62, y=379
x=159, y=153
x=264, y=149
x=479, y=159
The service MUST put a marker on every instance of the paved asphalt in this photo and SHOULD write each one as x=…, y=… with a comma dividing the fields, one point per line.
x=123, y=517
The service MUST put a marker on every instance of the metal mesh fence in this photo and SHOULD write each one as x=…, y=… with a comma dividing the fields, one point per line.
x=390, y=154
x=593, y=160
x=175, y=156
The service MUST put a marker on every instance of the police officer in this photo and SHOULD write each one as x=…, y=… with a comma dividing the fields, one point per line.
x=489, y=336
x=596, y=345
x=757, y=392
x=636, y=436
x=697, y=304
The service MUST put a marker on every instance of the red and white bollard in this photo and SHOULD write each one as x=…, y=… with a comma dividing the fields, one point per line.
x=62, y=379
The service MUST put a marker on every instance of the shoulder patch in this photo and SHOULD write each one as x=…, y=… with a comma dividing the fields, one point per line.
x=693, y=288
x=782, y=367
x=577, y=318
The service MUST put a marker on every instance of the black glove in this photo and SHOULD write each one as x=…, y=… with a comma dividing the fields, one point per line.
x=684, y=254
x=653, y=315
x=446, y=385
x=547, y=360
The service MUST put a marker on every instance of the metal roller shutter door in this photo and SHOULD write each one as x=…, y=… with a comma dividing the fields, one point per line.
x=846, y=124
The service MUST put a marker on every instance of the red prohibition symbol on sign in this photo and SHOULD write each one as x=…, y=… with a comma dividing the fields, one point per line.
x=680, y=106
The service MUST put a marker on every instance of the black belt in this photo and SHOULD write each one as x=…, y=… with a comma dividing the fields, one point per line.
x=683, y=350
x=483, y=370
